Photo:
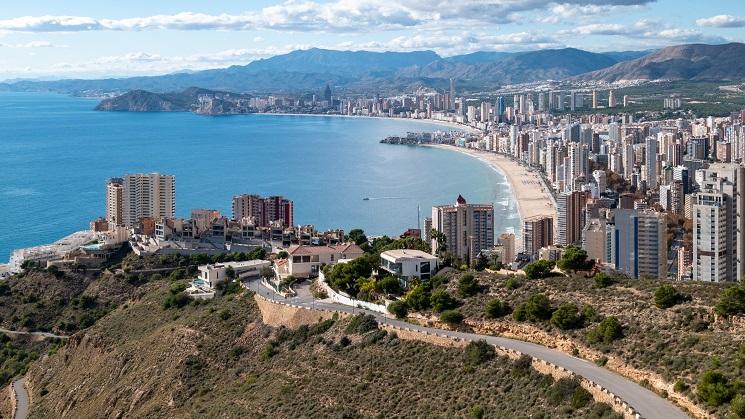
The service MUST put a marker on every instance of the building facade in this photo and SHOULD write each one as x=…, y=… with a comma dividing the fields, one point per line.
x=468, y=228
x=140, y=195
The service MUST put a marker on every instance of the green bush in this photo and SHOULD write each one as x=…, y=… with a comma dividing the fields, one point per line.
x=362, y=323
x=732, y=301
x=667, y=296
x=536, y=308
x=606, y=332
x=567, y=317
x=398, y=308
x=467, y=286
x=680, y=386
x=477, y=353
x=737, y=407
x=603, y=280
x=574, y=259
x=512, y=284
x=441, y=300
x=389, y=285
x=451, y=317
x=714, y=388
x=496, y=308
x=538, y=269
x=477, y=412
x=418, y=298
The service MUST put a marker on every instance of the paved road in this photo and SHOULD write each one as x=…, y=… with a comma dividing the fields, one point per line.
x=647, y=403
x=22, y=399
x=44, y=335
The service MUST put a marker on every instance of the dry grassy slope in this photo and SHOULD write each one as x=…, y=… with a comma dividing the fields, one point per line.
x=40, y=300
x=676, y=343
x=143, y=361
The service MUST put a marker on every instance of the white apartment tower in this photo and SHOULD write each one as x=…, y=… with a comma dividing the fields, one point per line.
x=468, y=228
x=142, y=195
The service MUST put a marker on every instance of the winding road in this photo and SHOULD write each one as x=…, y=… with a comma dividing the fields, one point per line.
x=22, y=399
x=647, y=403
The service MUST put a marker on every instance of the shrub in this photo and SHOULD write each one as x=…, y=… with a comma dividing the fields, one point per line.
x=714, y=388
x=362, y=323
x=418, y=298
x=566, y=317
x=512, y=283
x=737, y=407
x=398, y=308
x=441, y=300
x=451, y=317
x=467, y=286
x=563, y=389
x=574, y=259
x=732, y=301
x=478, y=352
x=390, y=285
x=680, y=386
x=538, y=269
x=477, y=412
x=496, y=308
x=603, y=280
x=667, y=296
x=536, y=308
x=607, y=331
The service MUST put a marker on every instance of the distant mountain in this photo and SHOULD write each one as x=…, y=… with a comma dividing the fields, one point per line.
x=391, y=72
x=517, y=68
x=682, y=62
x=478, y=57
x=627, y=55
x=343, y=63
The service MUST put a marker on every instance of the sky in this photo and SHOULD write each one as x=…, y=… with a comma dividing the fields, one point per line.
x=50, y=39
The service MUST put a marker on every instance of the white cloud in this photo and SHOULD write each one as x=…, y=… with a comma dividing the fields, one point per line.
x=32, y=44
x=647, y=29
x=335, y=16
x=722, y=21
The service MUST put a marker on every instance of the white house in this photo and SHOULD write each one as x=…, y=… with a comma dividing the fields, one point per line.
x=407, y=264
x=215, y=273
x=305, y=261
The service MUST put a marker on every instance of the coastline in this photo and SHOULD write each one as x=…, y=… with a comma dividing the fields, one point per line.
x=453, y=125
x=531, y=197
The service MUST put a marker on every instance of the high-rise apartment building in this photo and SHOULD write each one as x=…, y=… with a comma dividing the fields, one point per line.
x=468, y=228
x=639, y=243
x=570, y=217
x=114, y=201
x=265, y=211
x=140, y=195
x=537, y=232
x=651, y=162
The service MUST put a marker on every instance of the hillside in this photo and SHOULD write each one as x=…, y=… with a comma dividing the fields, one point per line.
x=670, y=349
x=699, y=62
x=218, y=359
x=144, y=101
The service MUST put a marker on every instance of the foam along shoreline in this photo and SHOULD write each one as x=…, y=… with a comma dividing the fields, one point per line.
x=530, y=194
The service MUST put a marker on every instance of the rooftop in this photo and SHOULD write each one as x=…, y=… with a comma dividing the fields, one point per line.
x=403, y=254
x=317, y=250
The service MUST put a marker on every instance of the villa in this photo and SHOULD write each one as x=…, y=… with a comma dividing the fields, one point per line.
x=306, y=261
x=408, y=264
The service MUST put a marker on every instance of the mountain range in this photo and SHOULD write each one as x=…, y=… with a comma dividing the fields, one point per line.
x=385, y=72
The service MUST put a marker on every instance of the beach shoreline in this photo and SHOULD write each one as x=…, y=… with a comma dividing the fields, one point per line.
x=453, y=125
x=530, y=194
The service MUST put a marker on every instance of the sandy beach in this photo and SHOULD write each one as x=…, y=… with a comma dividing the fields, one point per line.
x=527, y=187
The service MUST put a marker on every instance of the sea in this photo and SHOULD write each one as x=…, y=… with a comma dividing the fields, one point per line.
x=56, y=154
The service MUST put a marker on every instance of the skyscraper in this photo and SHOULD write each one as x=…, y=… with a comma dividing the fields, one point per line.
x=140, y=195
x=452, y=94
x=570, y=217
x=651, y=162
x=468, y=228
x=537, y=232
x=114, y=201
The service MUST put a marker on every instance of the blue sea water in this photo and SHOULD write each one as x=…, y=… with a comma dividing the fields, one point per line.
x=56, y=154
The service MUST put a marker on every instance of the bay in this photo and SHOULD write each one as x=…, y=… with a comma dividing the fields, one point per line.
x=56, y=154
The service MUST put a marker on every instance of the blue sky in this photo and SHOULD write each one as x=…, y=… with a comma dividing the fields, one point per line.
x=52, y=38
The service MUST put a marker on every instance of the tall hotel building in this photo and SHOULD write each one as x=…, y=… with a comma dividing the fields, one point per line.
x=139, y=195
x=717, y=221
x=468, y=228
x=570, y=217
x=538, y=232
x=265, y=211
